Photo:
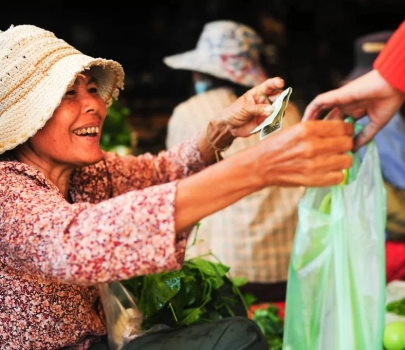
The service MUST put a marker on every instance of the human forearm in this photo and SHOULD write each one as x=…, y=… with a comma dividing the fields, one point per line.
x=213, y=189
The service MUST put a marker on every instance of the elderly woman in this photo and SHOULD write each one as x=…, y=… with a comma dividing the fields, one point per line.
x=72, y=216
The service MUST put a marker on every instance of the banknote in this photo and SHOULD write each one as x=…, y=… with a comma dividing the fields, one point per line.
x=274, y=121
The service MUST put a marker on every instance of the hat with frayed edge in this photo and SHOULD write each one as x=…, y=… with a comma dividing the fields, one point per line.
x=226, y=50
x=366, y=50
x=36, y=68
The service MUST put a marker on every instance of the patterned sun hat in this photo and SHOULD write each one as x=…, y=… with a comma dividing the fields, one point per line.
x=36, y=68
x=227, y=50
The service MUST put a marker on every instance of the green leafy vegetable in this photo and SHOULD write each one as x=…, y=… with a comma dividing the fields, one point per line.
x=271, y=325
x=397, y=307
x=202, y=291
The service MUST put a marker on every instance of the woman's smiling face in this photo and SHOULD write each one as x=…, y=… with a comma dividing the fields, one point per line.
x=72, y=135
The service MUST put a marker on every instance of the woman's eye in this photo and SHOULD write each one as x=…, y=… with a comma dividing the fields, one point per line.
x=93, y=90
x=70, y=93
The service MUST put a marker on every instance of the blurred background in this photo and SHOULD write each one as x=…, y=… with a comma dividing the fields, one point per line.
x=307, y=42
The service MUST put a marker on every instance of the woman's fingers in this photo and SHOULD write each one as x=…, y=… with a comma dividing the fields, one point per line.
x=326, y=146
x=324, y=170
x=309, y=139
x=243, y=120
x=271, y=85
x=250, y=110
x=330, y=178
x=311, y=153
x=326, y=163
x=267, y=91
x=324, y=128
x=317, y=106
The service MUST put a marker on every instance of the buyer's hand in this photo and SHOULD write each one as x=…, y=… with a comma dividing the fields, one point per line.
x=311, y=153
x=252, y=108
x=369, y=95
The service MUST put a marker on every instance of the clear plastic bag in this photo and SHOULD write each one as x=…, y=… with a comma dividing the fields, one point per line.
x=336, y=283
x=123, y=317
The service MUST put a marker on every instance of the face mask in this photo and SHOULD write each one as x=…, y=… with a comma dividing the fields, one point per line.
x=201, y=86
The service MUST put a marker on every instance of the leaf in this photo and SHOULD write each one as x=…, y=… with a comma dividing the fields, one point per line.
x=157, y=290
x=239, y=281
x=249, y=299
x=211, y=272
x=271, y=325
x=209, y=268
x=191, y=316
x=397, y=307
x=192, y=290
x=215, y=281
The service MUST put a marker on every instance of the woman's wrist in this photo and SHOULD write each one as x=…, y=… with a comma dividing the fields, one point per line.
x=219, y=134
x=217, y=139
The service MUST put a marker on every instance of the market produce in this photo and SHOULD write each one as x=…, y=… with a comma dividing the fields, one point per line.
x=397, y=307
x=271, y=325
x=394, y=336
x=202, y=291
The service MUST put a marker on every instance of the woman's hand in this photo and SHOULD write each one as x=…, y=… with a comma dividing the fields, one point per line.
x=252, y=108
x=311, y=153
x=369, y=95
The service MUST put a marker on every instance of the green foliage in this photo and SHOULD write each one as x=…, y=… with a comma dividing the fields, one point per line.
x=202, y=291
x=397, y=307
x=271, y=325
x=199, y=292
x=116, y=130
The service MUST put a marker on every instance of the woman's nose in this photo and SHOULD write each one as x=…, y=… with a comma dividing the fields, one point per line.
x=90, y=103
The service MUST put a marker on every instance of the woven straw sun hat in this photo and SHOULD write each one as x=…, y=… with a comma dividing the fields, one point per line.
x=36, y=68
x=227, y=50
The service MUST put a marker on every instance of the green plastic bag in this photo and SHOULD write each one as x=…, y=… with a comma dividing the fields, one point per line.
x=336, y=283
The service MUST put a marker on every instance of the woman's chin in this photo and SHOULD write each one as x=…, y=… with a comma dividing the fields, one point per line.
x=90, y=158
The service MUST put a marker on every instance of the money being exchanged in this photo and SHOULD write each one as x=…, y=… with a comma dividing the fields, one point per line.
x=274, y=121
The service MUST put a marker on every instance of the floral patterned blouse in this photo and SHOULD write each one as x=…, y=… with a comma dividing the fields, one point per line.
x=54, y=253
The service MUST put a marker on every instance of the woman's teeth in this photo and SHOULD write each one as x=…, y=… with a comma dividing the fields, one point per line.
x=94, y=130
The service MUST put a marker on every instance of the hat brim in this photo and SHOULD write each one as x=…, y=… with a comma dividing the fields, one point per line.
x=49, y=91
x=199, y=61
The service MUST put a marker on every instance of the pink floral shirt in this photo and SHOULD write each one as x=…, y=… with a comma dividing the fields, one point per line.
x=53, y=253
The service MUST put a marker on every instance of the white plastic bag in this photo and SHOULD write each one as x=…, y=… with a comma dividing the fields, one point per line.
x=123, y=317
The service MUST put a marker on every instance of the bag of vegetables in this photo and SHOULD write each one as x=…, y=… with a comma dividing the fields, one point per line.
x=336, y=283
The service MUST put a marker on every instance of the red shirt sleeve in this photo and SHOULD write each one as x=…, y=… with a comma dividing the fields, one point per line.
x=390, y=63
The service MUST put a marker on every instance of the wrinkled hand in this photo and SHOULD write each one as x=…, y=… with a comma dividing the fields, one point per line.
x=311, y=153
x=250, y=109
x=369, y=95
